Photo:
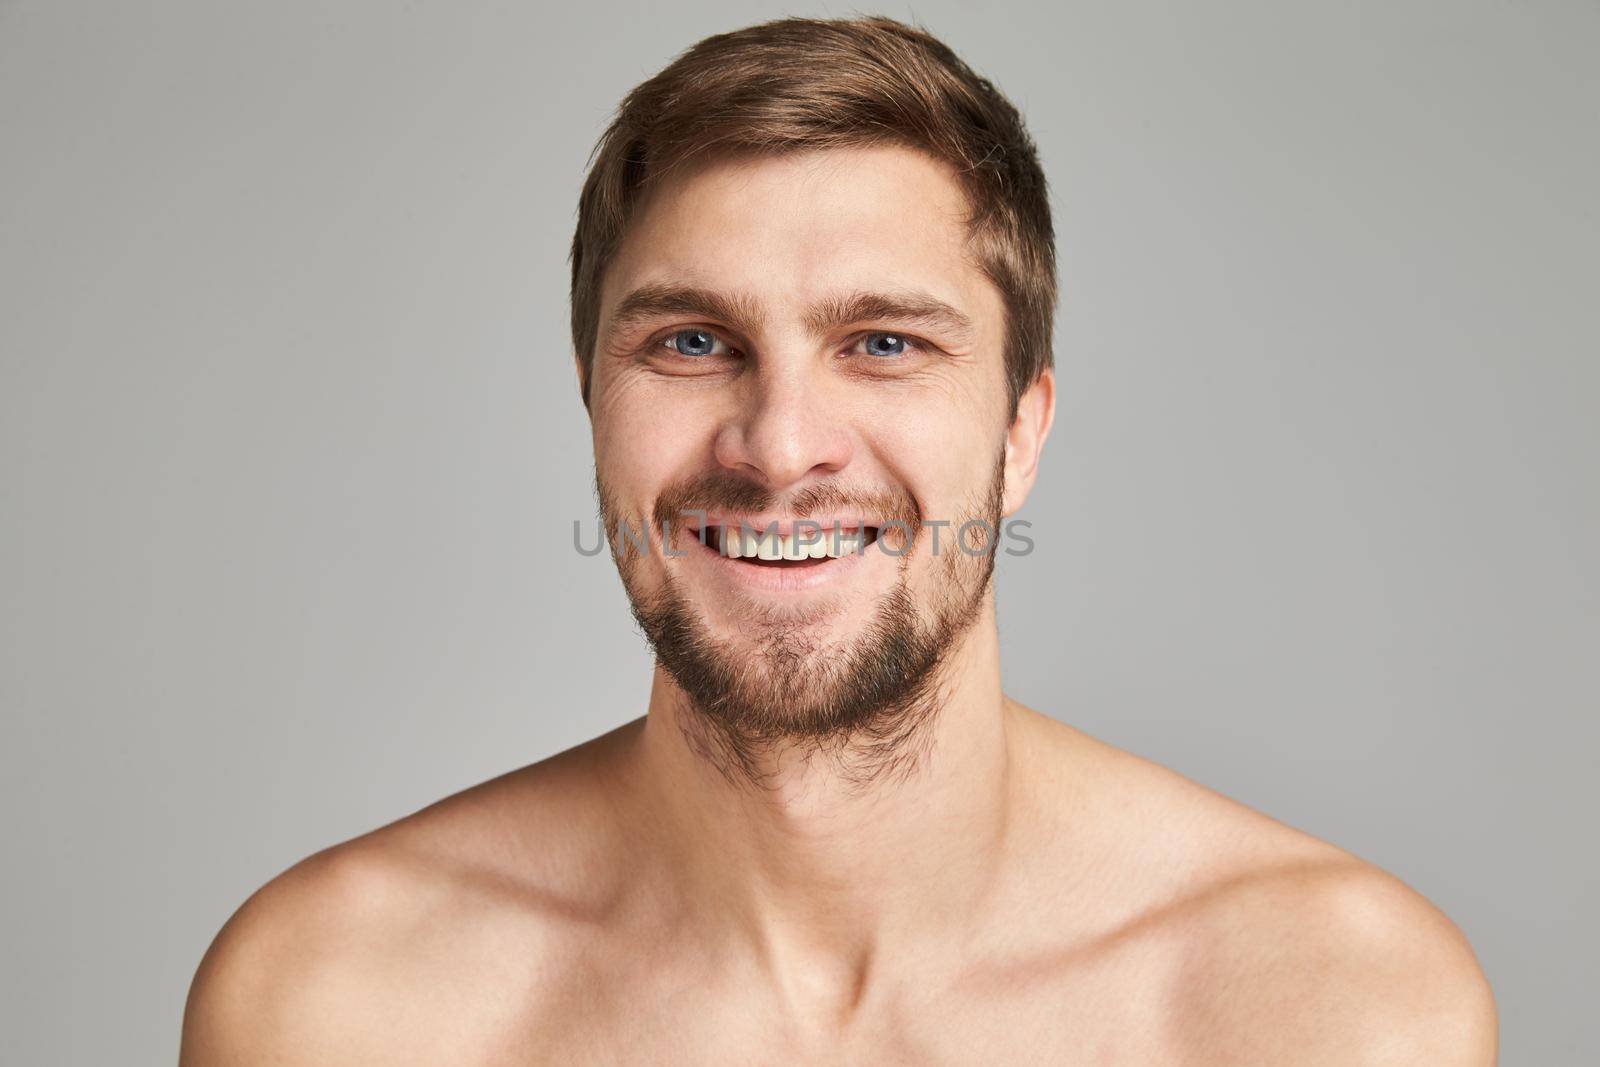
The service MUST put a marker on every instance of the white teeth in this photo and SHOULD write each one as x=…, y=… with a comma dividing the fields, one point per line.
x=805, y=543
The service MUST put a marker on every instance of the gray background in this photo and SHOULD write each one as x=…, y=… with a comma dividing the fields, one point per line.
x=292, y=447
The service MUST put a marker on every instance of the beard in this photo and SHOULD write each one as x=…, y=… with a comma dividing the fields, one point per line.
x=864, y=702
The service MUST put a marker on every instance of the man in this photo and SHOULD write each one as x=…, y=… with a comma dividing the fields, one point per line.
x=813, y=281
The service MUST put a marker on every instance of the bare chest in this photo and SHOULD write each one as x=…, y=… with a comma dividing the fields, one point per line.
x=1112, y=1011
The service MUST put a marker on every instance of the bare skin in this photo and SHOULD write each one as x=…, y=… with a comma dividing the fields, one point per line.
x=1124, y=915
x=1026, y=895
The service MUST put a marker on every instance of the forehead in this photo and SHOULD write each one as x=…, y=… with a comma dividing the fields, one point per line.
x=785, y=231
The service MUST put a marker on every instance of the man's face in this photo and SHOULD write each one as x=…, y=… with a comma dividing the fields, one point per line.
x=803, y=341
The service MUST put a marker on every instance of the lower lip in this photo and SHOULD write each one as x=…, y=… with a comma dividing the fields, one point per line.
x=779, y=578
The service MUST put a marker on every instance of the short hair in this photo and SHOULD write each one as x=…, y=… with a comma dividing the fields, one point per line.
x=796, y=84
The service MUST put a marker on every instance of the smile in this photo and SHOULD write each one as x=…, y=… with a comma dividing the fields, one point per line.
x=802, y=544
x=783, y=558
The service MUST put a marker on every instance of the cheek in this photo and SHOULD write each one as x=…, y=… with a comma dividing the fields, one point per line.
x=642, y=440
x=943, y=445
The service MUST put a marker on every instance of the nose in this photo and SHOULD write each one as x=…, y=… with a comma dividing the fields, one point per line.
x=783, y=429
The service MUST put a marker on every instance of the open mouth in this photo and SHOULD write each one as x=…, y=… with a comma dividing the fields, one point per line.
x=807, y=546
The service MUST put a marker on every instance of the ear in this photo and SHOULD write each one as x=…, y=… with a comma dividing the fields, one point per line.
x=1036, y=410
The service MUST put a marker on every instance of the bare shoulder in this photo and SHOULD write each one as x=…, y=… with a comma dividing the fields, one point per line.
x=411, y=943
x=1339, y=963
x=1278, y=947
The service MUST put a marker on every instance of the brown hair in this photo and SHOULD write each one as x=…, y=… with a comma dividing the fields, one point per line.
x=796, y=83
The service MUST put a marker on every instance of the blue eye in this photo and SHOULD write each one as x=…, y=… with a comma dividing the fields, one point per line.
x=885, y=345
x=693, y=343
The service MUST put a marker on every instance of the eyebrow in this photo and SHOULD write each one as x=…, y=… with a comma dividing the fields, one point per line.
x=653, y=301
x=914, y=309
x=742, y=314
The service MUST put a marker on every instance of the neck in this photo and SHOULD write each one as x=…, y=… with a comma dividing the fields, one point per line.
x=820, y=873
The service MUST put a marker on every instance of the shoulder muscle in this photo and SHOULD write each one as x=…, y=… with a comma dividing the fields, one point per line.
x=1339, y=964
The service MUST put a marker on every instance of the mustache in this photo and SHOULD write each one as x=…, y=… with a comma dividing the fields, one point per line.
x=726, y=491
